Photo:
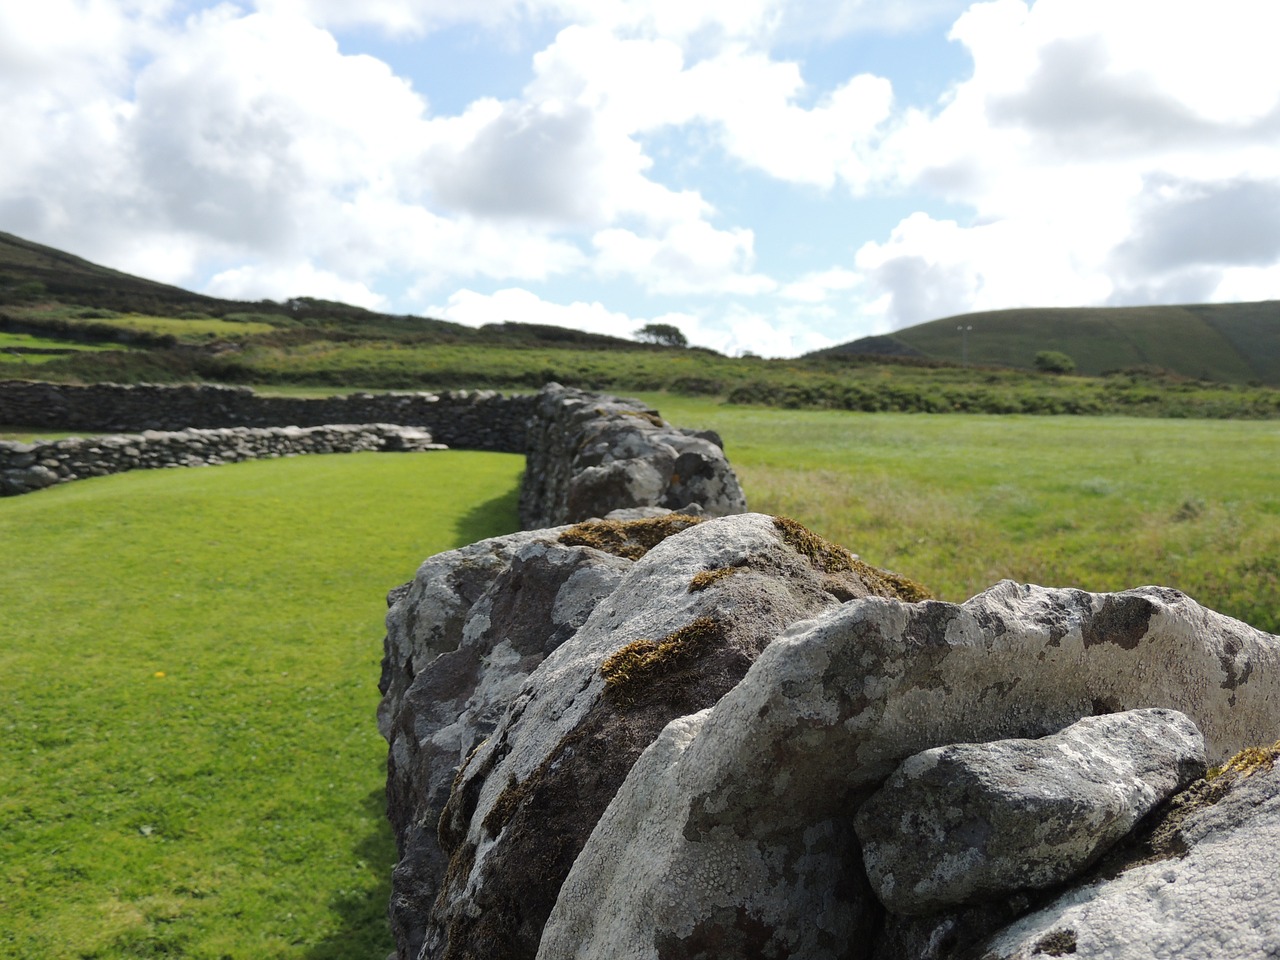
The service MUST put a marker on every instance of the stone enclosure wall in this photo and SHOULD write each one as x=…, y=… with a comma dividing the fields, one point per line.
x=587, y=454
x=27, y=467
x=469, y=419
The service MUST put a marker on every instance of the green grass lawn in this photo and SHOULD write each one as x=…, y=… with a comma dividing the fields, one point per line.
x=960, y=501
x=190, y=762
x=189, y=757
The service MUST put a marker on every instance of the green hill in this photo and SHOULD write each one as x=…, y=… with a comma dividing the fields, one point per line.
x=38, y=284
x=1228, y=342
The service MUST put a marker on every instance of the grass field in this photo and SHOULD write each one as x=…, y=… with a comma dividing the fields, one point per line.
x=190, y=760
x=959, y=501
x=190, y=658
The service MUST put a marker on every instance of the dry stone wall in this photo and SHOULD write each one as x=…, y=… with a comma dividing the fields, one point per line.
x=469, y=419
x=587, y=454
x=598, y=752
x=26, y=467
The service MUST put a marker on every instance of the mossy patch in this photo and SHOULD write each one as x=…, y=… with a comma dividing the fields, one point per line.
x=831, y=558
x=1162, y=839
x=1248, y=761
x=705, y=578
x=629, y=672
x=1059, y=943
x=506, y=805
x=631, y=539
x=651, y=418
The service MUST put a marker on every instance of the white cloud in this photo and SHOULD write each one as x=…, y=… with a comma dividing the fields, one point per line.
x=691, y=257
x=930, y=269
x=683, y=19
x=1101, y=161
x=818, y=287
x=517, y=305
x=285, y=281
x=752, y=100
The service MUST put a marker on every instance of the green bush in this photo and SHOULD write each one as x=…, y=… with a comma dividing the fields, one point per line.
x=1054, y=361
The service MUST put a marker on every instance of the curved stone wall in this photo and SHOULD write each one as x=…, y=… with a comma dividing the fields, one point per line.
x=26, y=467
x=587, y=454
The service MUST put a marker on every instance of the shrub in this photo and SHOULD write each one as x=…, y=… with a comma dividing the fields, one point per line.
x=1053, y=361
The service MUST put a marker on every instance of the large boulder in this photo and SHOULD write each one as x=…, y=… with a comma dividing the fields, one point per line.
x=1199, y=882
x=730, y=836
x=693, y=606
x=972, y=822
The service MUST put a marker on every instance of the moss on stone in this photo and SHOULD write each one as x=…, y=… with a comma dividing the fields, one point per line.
x=630, y=671
x=1059, y=943
x=1248, y=761
x=651, y=418
x=631, y=539
x=705, y=578
x=1161, y=838
x=832, y=558
x=820, y=552
x=506, y=805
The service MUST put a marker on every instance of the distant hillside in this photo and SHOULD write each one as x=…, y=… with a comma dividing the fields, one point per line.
x=1228, y=342
x=31, y=273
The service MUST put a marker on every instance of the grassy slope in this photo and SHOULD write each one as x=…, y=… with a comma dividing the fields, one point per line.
x=1097, y=339
x=1233, y=343
x=1230, y=342
x=959, y=502
x=233, y=806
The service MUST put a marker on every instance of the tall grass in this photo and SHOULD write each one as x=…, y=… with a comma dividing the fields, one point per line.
x=960, y=501
x=189, y=756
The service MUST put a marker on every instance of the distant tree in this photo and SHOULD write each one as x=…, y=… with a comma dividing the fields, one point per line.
x=1054, y=361
x=665, y=334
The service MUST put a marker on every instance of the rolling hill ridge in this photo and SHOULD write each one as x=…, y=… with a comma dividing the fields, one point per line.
x=1227, y=342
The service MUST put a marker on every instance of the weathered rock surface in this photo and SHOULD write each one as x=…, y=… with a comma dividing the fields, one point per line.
x=680, y=628
x=1203, y=884
x=730, y=836
x=461, y=640
x=971, y=822
x=589, y=455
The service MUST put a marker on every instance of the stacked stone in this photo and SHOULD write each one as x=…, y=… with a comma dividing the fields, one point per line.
x=470, y=419
x=590, y=454
x=716, y=751
x=25, y=467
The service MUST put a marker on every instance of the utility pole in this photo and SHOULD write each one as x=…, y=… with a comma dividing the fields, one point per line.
x=964, y=344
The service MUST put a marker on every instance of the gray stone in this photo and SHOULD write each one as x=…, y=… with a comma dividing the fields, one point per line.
x=733, y=830
x=477, y=621
x=976, y=821
x=680, y=629
x=589, y=455
x=1203, y=885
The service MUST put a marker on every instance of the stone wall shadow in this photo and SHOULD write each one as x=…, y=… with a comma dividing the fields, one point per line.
x=363, y=930
x=493, y=518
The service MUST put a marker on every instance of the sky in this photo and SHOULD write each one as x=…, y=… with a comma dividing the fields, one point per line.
x=770, y=176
